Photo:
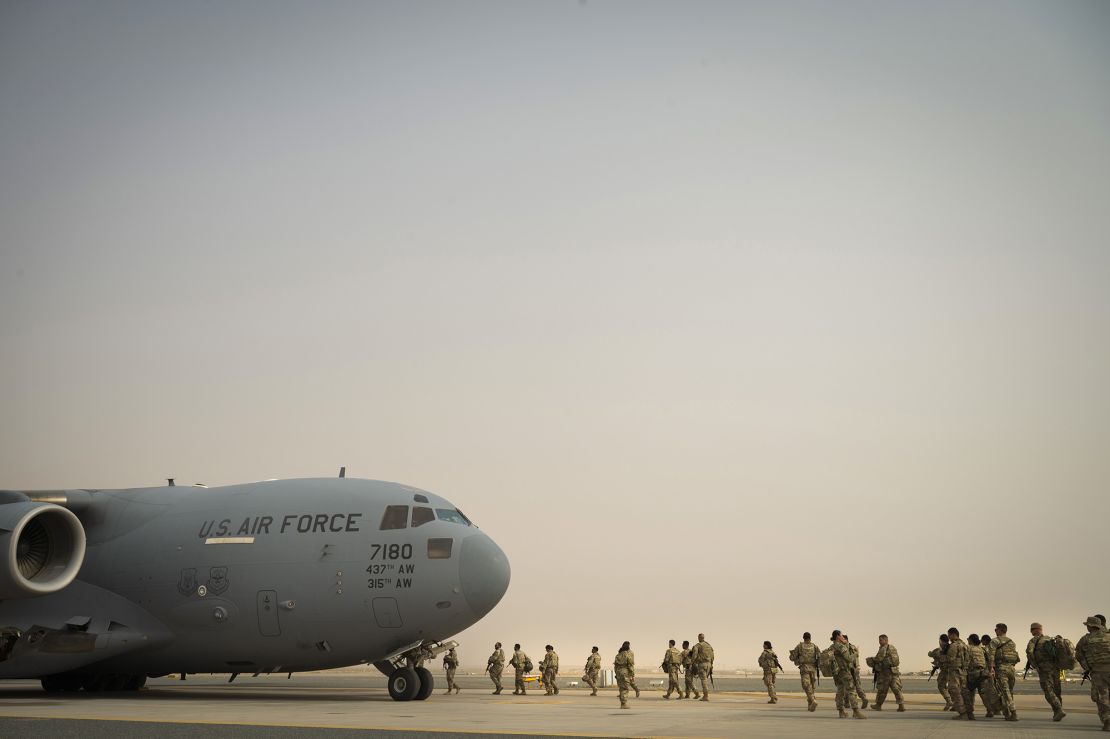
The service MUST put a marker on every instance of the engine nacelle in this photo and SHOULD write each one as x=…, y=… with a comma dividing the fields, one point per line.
x=42, y=546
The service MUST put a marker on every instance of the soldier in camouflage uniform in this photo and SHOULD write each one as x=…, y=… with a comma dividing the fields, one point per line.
x=495, y=665
x=450, y=664
x=518, y=662
x=854, y=650
x=593, y=667
x=1003, y=656
x=624, y=665
x=702, y=654
x=805, y=657
x=1041, y=653
x=549, y=666
x=940, y=665
x=887, y=676
x=842, y=676
x=672, y=663
x=979, y=677
x=1093, y=653
x=958, y=662
x=689, y=669
x=769, y=661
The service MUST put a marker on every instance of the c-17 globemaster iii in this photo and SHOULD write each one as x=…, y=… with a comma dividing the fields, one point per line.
x=100, y=589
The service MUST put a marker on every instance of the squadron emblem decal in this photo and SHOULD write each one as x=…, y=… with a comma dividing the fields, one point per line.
x=217, y=580
x=188, y=582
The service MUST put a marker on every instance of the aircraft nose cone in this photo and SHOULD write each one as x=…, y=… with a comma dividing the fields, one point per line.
x=483, y=573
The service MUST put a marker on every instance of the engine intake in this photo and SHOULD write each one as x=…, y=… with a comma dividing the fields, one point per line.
x=42, y=546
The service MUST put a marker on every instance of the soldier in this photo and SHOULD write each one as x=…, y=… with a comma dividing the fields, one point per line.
x=885, y=666
x=495, y=665
x=1003, y=655
x=624, y=665
x=842, y=676
x=805, y=656
x=703, y=663
x=672, y=663
x=519, y=662
x=854, y=650
x=958, y=663
x=549, y=667
x=450, y=664
x=593, y=667
x=940, y=666
x=1040, y=652
x=417, y=657
x=689, y=669
x=1093, y=653
x=769, y=661
x=979, y=678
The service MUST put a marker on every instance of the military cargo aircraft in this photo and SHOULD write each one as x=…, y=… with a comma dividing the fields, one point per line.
x=100, y=589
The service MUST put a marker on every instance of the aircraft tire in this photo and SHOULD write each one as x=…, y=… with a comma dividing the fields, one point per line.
x=403, y=684
x=135, y=682
x=427, y=683
x=53, y=683
x=95, y=683
x=71, y=683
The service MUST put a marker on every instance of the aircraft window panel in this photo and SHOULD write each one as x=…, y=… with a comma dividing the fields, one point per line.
x=421, y=516
x=420, y=498
x=439, y=548
x=395, y=517
x=468, y=522
x=452, y=516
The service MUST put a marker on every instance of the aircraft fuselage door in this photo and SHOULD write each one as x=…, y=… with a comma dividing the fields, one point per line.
x=268, y=613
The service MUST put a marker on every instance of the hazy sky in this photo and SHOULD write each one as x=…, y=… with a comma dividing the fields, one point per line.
x=748, y=318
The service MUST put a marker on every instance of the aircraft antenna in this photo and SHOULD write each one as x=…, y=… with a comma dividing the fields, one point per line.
x=342, y=472
x=170, y=482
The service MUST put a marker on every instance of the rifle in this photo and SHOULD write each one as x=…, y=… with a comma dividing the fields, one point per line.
x=1086, y=674
x=711, y=676
x=778, y=665
x=934, y=671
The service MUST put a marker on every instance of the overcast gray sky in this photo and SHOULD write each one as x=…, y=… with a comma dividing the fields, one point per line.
x=748, y=318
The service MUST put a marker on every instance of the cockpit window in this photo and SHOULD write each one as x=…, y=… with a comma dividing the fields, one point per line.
x=420, y=498
x=421, y=516
x=452, y=515
x=439, y=548
x=395, y=517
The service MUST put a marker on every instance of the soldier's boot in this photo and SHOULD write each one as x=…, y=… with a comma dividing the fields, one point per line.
x=856, y=713
x=948, y=705
x=624, y=704
x=594, y=692
x=901, y=708
x=1106, y=725
x=812, y=706
x=877, y=707
x=1012, y=716
x=556, y=690
x=1058, y=714
x=705, y=697
x=958, y=717
x=841, y=713
x=773, y=700
x=457, y=689
x=637, y=692
x=864, y=704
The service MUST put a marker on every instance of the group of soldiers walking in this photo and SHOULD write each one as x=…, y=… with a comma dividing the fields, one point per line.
x=982, y=665
x=696, y=662
x=988, y=667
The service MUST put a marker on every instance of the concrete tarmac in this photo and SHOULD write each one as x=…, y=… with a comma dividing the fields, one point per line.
x=343, y=705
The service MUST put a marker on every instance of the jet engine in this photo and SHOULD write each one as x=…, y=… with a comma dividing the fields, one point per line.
x=42, y=546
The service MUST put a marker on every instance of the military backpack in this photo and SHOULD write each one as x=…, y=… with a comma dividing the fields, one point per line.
x=826, y=663
x=1009, y=652
x=794, y=657
x=1097, y=652
x=528, y=666
x=1064, y=652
